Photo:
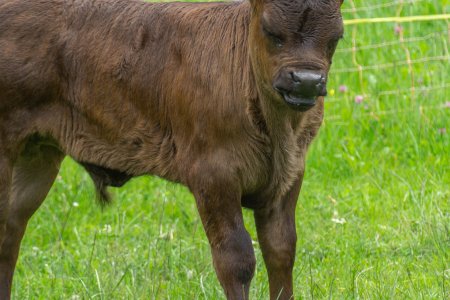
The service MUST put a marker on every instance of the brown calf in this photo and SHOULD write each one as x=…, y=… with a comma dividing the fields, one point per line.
x=221, y=97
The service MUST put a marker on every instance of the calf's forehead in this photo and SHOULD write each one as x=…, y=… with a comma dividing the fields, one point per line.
x=299, y=15
x=296, y=9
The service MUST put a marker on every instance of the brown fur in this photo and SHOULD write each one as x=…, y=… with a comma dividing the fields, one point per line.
x=182, y=91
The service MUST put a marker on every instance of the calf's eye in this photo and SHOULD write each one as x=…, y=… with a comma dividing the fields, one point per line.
x=332, y=44
x=275, y=38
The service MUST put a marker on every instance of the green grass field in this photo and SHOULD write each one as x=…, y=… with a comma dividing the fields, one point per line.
x=374, y=212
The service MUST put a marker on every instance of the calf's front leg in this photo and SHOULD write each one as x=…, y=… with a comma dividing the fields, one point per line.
x=218, y=202
x=277, y=236
x=32, y=177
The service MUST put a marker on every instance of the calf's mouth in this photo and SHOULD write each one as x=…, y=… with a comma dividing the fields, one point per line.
x=299, y=103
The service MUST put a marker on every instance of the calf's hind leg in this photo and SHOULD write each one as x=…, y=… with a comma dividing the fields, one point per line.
x=5, y=187
x=32, y=176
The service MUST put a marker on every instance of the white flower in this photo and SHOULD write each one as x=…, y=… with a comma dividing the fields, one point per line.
x=336, y=219
x=107, y=228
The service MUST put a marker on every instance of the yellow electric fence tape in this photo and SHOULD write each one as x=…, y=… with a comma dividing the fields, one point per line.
x=398, y=19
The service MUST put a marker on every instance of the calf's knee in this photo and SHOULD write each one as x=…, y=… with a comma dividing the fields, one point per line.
x=234, y=259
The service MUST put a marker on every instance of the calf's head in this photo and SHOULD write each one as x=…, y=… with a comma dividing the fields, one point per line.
x=291, y=46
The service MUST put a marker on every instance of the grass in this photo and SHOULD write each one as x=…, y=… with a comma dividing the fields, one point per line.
x=373, y=216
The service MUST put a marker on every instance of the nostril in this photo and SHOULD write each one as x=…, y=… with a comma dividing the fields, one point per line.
x=321, y=84
x=295, y=77
x=323, y=80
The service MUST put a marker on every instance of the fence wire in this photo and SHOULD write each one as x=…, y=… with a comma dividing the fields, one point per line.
x=355, y=9
x=365, y=20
